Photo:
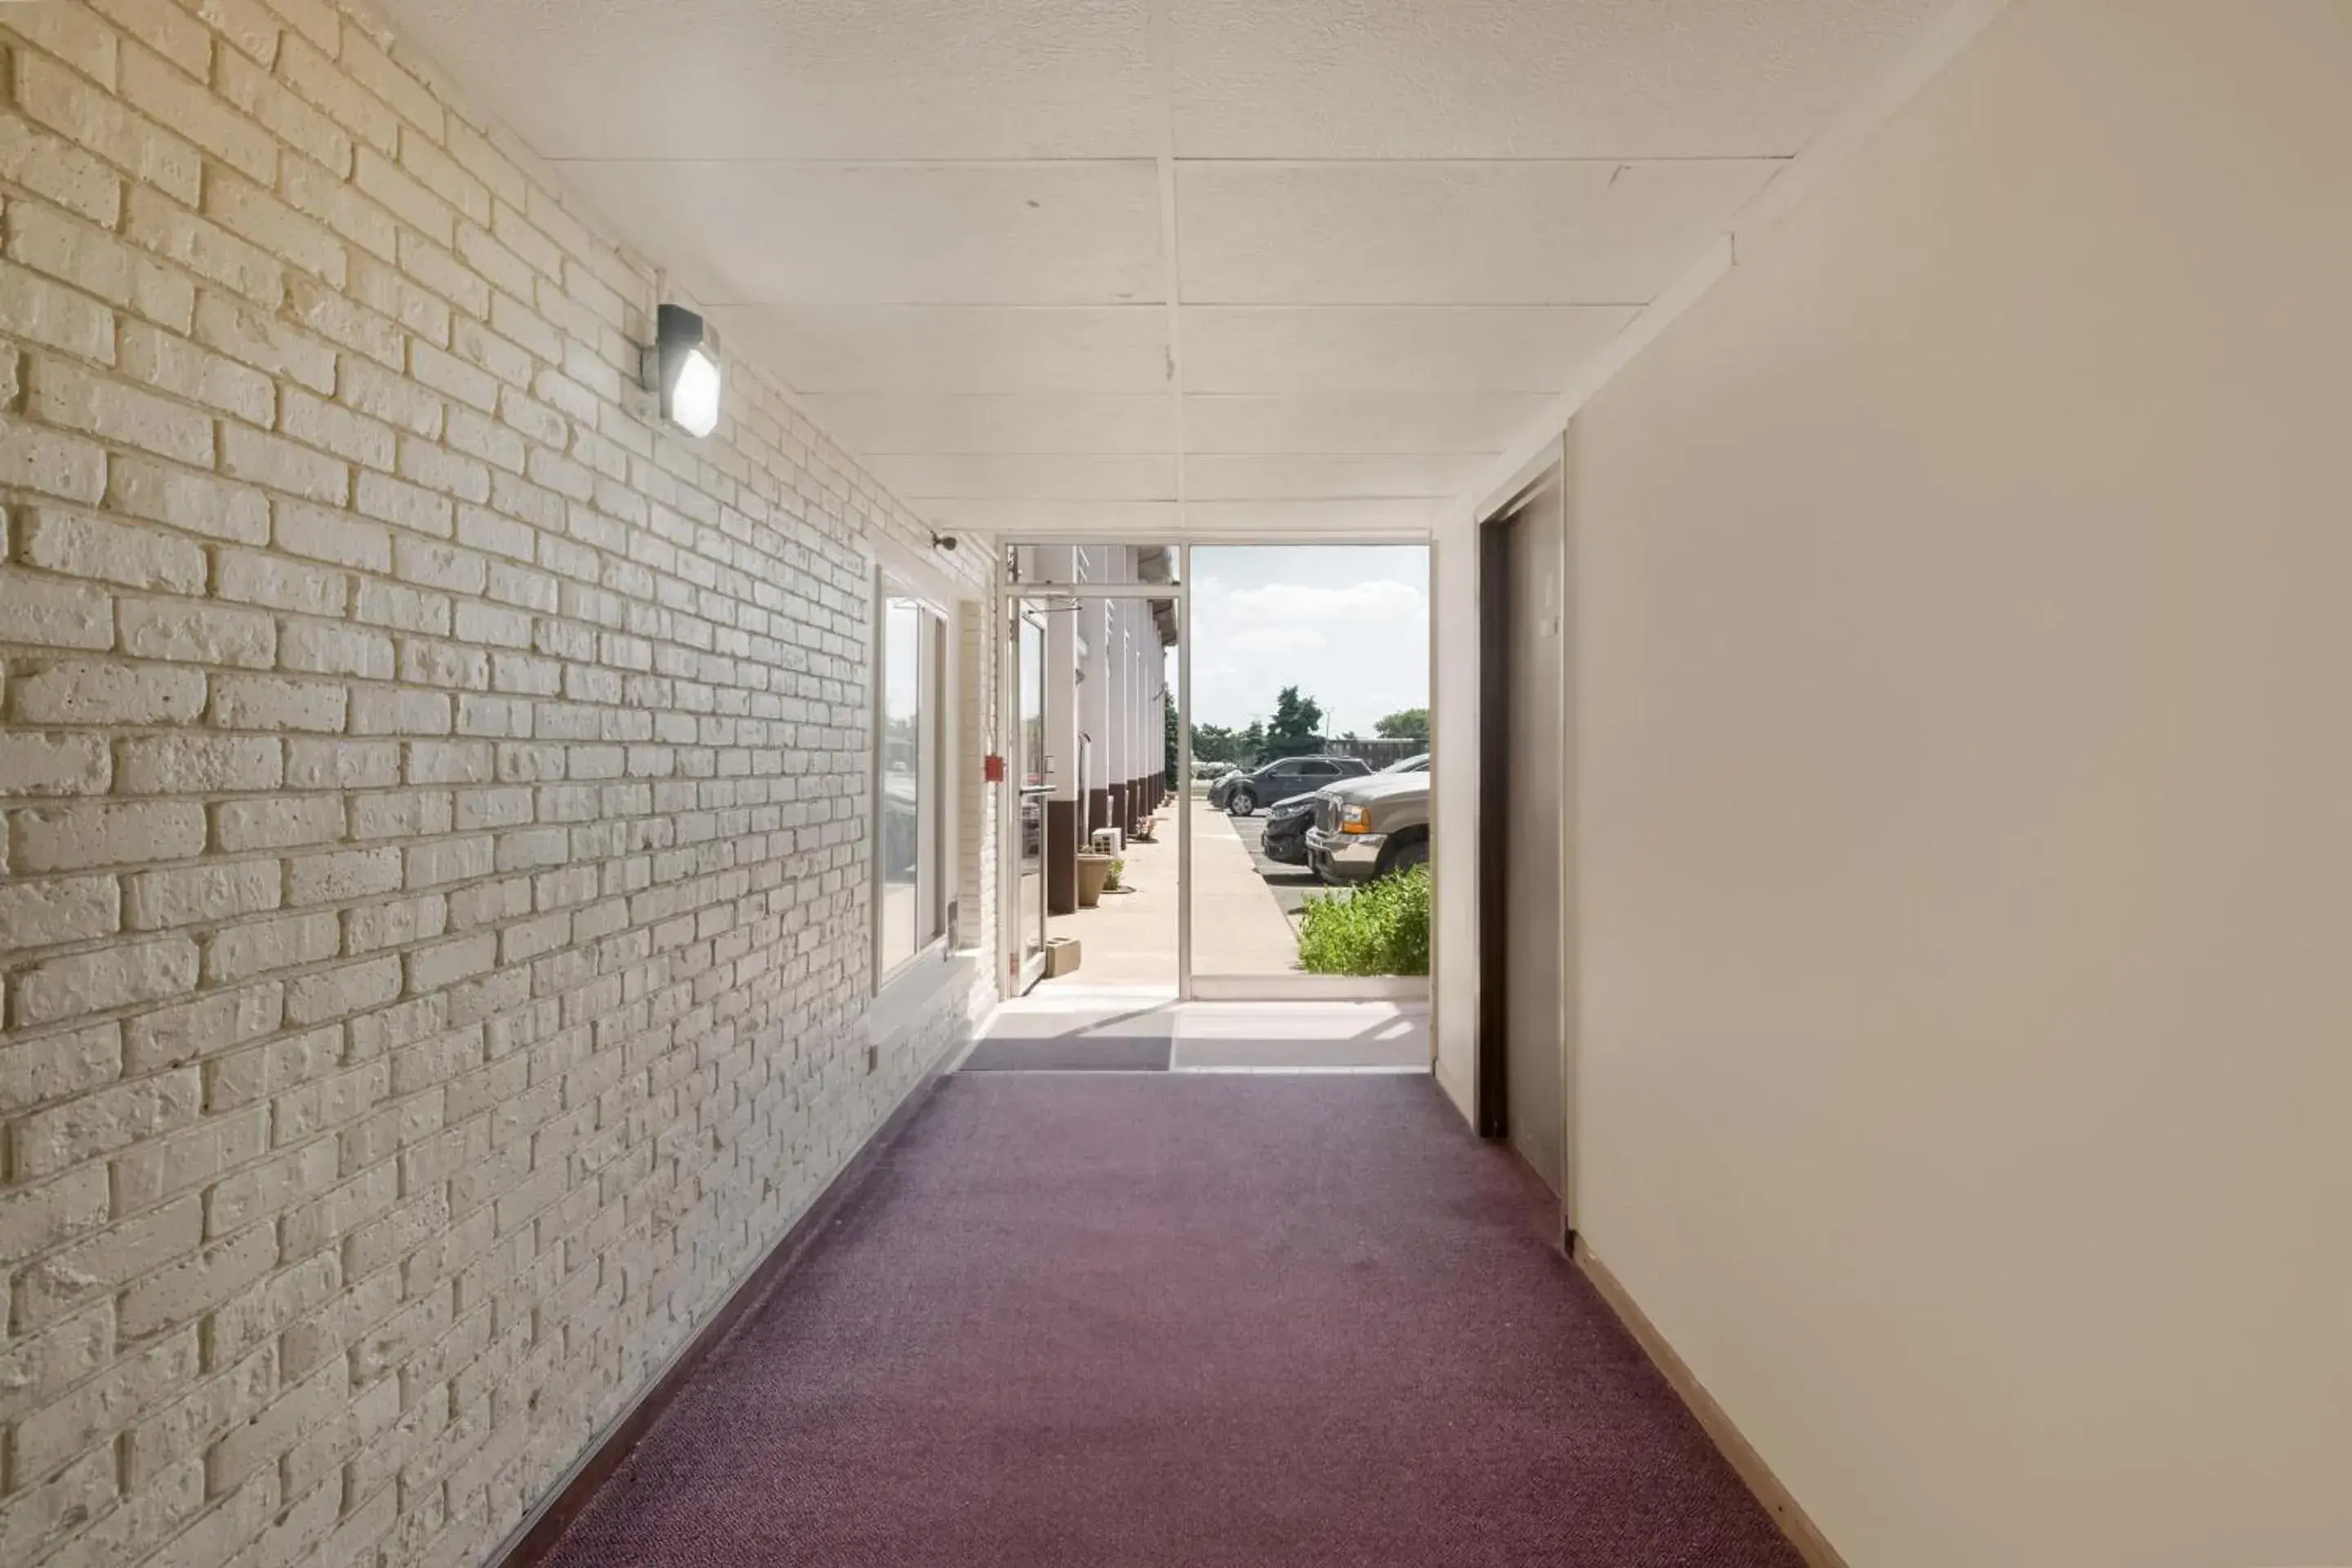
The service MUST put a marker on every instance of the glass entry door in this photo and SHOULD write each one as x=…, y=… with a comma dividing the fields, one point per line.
x=1028, y=780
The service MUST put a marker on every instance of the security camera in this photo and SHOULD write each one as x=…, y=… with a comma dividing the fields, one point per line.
x=942, y=540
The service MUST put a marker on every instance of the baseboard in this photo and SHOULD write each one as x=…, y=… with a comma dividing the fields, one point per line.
x=530, y=1542
x=1778, y=1501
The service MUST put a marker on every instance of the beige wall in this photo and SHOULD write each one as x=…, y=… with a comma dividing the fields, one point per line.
x=434, y=926
x=1454, y=823
x=1966, y=711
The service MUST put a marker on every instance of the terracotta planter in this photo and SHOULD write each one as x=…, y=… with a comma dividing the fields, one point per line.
x=1094, y=871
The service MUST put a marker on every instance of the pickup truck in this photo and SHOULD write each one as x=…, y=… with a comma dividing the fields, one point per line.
x=1368, y=827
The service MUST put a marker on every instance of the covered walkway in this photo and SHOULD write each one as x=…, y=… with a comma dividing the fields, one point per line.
x=522, y=726
x=1106, y=1318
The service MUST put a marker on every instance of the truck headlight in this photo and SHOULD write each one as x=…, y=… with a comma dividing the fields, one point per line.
x=1354, y=819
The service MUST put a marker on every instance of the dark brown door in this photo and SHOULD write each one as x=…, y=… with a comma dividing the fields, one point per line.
x=1522, y=831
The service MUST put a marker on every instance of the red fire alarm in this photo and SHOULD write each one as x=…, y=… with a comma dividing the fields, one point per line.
x=993, y=768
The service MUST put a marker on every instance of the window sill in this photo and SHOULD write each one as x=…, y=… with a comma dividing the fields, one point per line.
x=910, y=996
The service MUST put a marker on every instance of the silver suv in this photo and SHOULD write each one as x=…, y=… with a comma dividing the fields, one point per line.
x=1368, y=827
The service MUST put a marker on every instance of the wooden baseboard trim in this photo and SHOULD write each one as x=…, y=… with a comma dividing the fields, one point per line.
x=1758, y=1476
x=533, y=1540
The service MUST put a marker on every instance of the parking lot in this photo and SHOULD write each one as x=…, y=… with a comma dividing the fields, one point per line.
x=1289, y=884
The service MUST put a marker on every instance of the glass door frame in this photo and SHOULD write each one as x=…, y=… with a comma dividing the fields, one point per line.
x=1024, y=967
x=1190, y=986
x=1013, y=596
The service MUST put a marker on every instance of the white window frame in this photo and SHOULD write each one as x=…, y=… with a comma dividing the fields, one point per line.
x=937, y=864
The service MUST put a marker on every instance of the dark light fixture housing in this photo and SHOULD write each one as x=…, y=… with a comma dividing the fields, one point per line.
x=682, y=367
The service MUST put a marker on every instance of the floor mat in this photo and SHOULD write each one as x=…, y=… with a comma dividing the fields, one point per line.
x=1068, y=1053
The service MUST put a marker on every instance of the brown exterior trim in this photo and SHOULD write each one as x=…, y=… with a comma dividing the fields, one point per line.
x=1741, y=1455
x=1063, y=841
x=538, y=1536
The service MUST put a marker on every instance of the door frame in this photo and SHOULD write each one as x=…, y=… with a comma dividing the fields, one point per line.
x=1011, y=597
x=1190, y=986
x=1023, y=971
x=1551, y=469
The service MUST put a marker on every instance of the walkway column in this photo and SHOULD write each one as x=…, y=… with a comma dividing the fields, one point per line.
x=1145, y=638
x=1059, y=565
x=1092, y=620
x=1116, y=772
x=1159, y=725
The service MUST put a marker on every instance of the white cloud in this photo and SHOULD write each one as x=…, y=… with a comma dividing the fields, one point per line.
x=1273, y=641
x=1348, y=625
x=1354, y=601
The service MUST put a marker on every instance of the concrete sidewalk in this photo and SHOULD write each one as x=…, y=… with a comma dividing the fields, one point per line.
x=1129, y=939
x=1238, y=924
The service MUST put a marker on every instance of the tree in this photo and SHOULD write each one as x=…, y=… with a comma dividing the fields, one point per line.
x=1296, y=717
x=1253, y=743
x=1215, y=743
x=1406, y=724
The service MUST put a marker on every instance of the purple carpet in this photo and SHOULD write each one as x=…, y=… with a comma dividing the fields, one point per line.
x=1155, y=1319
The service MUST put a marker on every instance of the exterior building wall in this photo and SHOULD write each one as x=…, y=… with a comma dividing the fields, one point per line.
x=435, y=929
x=1104, y=703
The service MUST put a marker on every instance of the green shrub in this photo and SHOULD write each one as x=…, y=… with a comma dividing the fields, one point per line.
x=1379, y=929
x=1111, y=876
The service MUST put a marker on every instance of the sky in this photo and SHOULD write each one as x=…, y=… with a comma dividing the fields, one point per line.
x=1347, y=623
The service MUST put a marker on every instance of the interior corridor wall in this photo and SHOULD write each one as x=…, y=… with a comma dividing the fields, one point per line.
x=1967, y=809
x=436, y=923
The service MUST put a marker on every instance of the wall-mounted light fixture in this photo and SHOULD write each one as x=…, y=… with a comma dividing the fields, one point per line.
x=682, y=367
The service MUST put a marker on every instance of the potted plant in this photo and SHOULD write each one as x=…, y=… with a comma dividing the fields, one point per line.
x=1094, y=873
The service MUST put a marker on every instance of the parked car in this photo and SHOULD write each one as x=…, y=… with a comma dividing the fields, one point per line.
x=1287, y=821
x=1243, y=794
x=1367, y=828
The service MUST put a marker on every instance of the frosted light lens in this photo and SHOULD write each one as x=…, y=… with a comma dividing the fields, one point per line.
x=694, y=395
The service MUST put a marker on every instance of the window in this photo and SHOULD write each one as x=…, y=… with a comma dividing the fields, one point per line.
x=1034, y=766
x=910, y=805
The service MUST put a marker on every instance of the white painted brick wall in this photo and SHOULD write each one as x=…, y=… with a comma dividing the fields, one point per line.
x=434, y=915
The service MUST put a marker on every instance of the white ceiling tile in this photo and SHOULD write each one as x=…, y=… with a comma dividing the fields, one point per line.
x=1362, y=422
x=1385, y=348
x=986, y=233
x=1405, y=226
x=1215, y=477
x=1450, y=234
x=955, y=347
x=1015, y=519
x=879, y=424
x=1505, y=79
x=1341, y=517
x=707, y=79
x=1076, y=477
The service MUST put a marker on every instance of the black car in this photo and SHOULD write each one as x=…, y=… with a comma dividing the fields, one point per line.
x=1287, y=822
x=1243, y=794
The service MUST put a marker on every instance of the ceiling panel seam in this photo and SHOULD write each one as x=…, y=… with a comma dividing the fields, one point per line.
x=1161, y=43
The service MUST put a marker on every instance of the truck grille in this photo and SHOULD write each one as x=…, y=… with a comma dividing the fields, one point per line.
x=1327, y=813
